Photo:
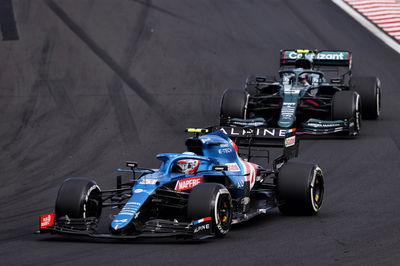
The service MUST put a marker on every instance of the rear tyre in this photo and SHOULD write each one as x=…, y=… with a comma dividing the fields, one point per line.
x=78, y=198
x=300, y=188
x=370, y=92
x=212, y=200
x=347, y=105
x=234, y=104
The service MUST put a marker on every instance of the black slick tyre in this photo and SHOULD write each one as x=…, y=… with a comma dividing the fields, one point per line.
x=251, y=85
x=234, y=104
x=78, y=198
x=370, y=92
x=346, y=105
x=300, y=188
x=211, y=200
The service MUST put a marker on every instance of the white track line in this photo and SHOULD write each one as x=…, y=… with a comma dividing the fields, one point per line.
x=368, y=25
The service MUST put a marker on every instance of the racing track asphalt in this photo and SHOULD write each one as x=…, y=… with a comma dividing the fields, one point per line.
x=92, y=83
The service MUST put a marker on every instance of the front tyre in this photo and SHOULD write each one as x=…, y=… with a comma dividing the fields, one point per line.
x=212, y=200
x=78, y=198
x=234, y=104
x=369, y=89
x=300, y=188
x=346, y=105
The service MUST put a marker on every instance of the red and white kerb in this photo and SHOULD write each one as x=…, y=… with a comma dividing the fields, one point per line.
x=383, y=13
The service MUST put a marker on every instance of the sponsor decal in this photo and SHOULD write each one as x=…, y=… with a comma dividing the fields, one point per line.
x=320, y=56
x=188, y=183
x=290, y=141
x=130, y=208
x=225, y=151
x=322, y=125
x=331, y=56
x=139, y=190
x=240, y=183
x=148, y=181
x=254, y=124
x=202, y=227
x=258, y=132
x=288, y=111
x=47, y=220
x=289, y=104
x=290, y=90
x=233, y=167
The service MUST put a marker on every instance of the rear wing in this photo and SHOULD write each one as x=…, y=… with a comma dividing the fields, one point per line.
x=263, y=137
x=333, y=58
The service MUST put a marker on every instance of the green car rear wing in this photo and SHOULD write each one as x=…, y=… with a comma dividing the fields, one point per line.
x=333, y=58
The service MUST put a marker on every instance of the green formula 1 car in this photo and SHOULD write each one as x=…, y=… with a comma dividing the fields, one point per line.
x=314, y=92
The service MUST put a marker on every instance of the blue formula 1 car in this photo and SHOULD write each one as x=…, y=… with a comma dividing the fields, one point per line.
x=196, y=194
x=315, y=93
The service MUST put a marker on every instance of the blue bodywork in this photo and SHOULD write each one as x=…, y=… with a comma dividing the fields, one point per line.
x=217, y=150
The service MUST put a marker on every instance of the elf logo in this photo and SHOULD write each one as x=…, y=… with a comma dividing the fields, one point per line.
x=188, y=183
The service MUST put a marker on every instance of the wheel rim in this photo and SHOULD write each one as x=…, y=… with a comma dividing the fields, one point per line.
x=224, y=212
x=378, y=102
x=92, y=205
x=357, y=115
x=317, y=193
x=317, y=190
x=245, y=106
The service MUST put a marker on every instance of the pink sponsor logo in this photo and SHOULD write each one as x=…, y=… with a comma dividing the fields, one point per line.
x=290, y=141
x=233, y=167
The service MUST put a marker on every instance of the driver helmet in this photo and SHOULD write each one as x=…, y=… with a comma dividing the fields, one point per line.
x=303, y=79
x=288, y=78
x=188, y=166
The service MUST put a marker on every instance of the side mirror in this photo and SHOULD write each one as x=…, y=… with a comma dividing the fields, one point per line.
x=131, y=164
x=336, y=80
